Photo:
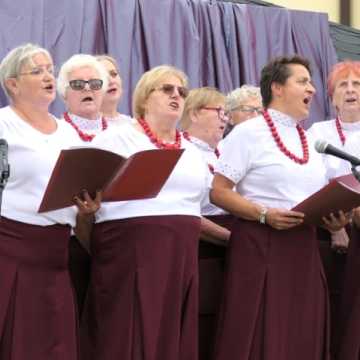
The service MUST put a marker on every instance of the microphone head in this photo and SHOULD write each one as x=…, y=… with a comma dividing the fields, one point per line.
x=3, y=142
x=320, y=146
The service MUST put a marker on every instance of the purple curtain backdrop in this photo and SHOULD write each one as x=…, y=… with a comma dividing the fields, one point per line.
x=216, y=43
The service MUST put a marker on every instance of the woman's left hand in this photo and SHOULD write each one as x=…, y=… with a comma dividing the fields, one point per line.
x=334, y=223
x=87, y=207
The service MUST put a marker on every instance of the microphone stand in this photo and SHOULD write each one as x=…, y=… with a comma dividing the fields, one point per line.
x=4, y=175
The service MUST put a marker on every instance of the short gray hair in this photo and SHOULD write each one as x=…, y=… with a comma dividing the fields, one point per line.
x=78, y=61
x=13, y=62
x=240, y=95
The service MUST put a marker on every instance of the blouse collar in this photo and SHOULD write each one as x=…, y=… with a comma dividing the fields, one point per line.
x=85, y=124
x=282, y=118
x=201, y=144
x=350, y=126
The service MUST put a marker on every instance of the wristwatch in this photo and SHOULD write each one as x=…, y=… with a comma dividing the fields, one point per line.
x=262, y=217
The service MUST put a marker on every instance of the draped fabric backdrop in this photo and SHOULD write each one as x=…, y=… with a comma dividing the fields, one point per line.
x=216, y=43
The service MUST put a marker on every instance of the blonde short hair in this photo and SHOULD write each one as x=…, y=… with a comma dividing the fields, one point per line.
x=197, y=99
x=238, y=96
x=109, y=58
x=13, y=62
x=149, y=81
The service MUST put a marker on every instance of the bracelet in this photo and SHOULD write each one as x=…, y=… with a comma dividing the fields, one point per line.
x=262, y=217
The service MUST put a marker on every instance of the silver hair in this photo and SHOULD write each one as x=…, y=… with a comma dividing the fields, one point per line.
x=240, y=95
x=13, y=62
x=78, y=61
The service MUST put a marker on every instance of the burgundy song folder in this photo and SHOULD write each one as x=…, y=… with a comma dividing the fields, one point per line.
x=141, y=176
x=342, y=193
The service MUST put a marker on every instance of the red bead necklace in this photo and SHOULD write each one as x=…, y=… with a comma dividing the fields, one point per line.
x=280, y=144
x=340, y=131
x=216, y=151
x=84, y=136
x=158, y=142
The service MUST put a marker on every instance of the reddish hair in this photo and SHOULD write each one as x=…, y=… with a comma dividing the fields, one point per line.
x=340, y=71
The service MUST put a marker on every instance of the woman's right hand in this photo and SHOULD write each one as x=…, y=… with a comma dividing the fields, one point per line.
x=282, y=219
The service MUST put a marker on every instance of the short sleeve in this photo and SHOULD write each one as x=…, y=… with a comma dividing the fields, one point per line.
x=234, y=161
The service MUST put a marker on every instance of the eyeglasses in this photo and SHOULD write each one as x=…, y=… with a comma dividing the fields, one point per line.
x=169, y=89
x=79, y=84
x=220, y=111
x=249, y=109
x=113, y=73
x=39, y=71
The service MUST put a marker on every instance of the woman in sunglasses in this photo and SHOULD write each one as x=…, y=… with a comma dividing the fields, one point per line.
x=242, y=104
x=112, y=97
x=144, y=284
x=82, y=83
x=204, y=121
x=37, y=311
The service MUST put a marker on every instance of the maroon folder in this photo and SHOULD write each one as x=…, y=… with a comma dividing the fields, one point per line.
x=141, y=176
x=342, y=193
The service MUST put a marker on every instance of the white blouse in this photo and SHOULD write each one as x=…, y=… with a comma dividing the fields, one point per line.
x=326, y=130
x=182, y=192
x=210, y=159
x=252, y=160
x=32, y=157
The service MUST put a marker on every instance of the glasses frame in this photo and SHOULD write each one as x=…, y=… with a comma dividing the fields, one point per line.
x=39, y=71
x=249, y=109
x=169, y=89
x=222, y=115
x=84, y=82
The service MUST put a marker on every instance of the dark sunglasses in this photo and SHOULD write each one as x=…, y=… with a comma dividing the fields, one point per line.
x=169, y=89
x=94, y=84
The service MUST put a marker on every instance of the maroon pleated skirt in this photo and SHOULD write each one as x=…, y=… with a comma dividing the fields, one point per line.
x=349, y=322
x=37, y=311
x=143, y=294
x=275, y=304
x=211, y=274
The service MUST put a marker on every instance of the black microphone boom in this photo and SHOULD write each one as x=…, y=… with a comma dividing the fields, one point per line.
x=324, y=147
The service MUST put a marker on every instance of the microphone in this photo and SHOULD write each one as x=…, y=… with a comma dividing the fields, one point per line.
x=4, y=165
x=323, y=147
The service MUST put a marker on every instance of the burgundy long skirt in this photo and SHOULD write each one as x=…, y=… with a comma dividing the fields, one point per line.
x=37, y=310
x=211, y=274
x=143, y=294
x=275, y=304
x=349, y=322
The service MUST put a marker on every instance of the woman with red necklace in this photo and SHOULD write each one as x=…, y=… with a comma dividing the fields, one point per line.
x=204, y=122
x=342, y=132
x=82, y=83
x=143, y=291
x=275, y=304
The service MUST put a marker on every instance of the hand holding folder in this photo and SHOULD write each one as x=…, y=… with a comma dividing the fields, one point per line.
x=141, y=176
x=342, y=193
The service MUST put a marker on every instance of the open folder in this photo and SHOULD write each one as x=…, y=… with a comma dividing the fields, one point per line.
x=141, y=176
x=342, y=193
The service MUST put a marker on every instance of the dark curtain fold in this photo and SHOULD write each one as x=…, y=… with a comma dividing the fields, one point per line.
x=216, y=43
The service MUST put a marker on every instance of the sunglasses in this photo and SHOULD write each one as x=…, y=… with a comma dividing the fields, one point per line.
x=169, y=89
x=94, y=84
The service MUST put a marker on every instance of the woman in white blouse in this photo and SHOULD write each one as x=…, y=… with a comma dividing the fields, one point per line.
x=204, y=122
x=37, y=311
x=143, y=292
x=275, y=304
